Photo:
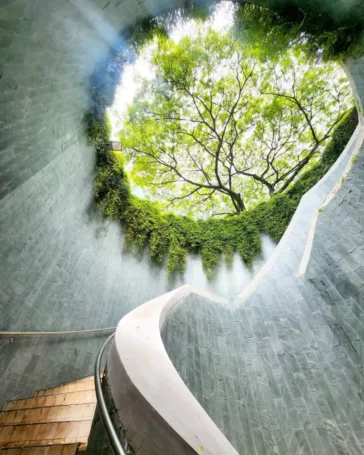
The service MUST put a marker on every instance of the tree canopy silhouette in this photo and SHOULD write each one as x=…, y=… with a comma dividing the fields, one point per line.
x=217, y=129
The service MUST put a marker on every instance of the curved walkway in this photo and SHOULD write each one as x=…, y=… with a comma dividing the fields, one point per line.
x=62, y=269
x=281, y=373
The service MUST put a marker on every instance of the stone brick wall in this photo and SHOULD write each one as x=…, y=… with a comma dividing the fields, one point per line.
x=27, y=362
x=283, y=372
x=60, y=266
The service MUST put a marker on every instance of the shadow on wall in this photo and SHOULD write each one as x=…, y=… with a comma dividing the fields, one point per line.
x=228, y=282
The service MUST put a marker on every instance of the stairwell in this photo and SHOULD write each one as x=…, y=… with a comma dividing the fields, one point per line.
x=54, y=421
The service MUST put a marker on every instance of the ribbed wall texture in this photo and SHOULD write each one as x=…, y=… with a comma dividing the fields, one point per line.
x=60, y=269
x=283, y=372
x=60, y=266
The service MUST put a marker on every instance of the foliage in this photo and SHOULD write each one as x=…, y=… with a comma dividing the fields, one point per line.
x=171, y=236
x=274, y=216
x=111, y=190
x=174, y=236
x=98, y=130
x=216, y=130
x=276, y=30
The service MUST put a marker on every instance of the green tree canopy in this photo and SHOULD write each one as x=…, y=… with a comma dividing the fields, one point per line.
x=218, y=129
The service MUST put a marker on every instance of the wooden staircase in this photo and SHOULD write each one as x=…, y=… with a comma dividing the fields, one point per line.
x=54, y=422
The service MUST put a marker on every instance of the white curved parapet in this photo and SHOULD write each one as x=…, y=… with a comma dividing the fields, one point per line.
x=156, y=408
x=317, y=197
x=307, y=213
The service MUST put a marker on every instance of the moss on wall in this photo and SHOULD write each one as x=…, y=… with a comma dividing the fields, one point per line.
x=173, y=237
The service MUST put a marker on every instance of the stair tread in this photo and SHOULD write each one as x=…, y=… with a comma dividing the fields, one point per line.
x=55, y=421
x=75, y=386
x=80, y=397
x=60, y=413
x=45, y=434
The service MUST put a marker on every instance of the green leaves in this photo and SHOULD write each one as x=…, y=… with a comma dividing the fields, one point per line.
x=220, y=129
x=277, y=30
x=171, y=237
x=232, y=121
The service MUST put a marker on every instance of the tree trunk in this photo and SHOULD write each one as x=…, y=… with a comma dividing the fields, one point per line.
x=238, y=203
x=300, y=167
x=271, y=191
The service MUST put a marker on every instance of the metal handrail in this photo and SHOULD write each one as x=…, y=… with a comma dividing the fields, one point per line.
x=67, y=332
x=104, y=413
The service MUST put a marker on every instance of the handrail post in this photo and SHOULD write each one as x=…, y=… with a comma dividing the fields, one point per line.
x=104, y=413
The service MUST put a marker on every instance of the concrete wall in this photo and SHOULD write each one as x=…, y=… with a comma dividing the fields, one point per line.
x=60, y=267
x=282, y=372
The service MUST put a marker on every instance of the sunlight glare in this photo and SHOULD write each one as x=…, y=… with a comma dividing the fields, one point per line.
x=221, y=19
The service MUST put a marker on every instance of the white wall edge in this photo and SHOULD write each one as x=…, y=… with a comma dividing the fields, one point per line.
x=141, y=352
x=311, y=235
x=349, y=151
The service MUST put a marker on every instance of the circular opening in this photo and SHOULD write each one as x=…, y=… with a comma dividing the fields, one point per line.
x=234, y=115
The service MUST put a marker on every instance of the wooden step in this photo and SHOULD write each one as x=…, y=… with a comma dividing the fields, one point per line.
x=64, y=413
x=75, y=386
x=69, y=449
x=45, y=434
x=54, y=421
x=61, y=399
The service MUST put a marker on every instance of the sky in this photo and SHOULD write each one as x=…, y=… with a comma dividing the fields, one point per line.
x=221, y=19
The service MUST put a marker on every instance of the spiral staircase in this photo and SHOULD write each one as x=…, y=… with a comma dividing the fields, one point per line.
x=54, y=421
x=278, y=371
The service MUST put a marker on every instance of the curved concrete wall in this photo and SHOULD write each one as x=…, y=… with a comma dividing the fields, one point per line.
x=57, y=259
x=60, y=267
x=156, y=409
x=284, y=370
